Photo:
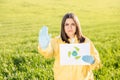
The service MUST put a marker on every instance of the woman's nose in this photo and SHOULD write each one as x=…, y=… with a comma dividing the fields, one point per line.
x=70, y=26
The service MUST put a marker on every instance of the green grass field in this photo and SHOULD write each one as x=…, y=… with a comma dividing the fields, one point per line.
x=21, y=20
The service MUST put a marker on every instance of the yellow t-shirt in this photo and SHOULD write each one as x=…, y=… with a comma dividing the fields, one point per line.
x=68, y=72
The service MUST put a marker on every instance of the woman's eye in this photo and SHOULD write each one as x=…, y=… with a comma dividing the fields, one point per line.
x=73, y=24
x=66, y=24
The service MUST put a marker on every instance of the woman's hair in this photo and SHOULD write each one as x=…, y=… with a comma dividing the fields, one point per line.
x=78, y=32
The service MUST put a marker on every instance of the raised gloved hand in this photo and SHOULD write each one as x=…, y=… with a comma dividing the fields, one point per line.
x=44, y=38
x=88, y=59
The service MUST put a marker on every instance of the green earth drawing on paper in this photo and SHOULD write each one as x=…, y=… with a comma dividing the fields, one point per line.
x=74, y=53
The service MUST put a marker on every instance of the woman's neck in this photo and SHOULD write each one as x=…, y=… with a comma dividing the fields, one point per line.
x=71, y=37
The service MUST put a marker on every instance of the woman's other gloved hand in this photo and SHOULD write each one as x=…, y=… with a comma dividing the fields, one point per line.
x=44, y=37
x=88, y=59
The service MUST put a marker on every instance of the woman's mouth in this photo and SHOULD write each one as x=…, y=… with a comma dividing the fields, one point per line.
x=70, y=30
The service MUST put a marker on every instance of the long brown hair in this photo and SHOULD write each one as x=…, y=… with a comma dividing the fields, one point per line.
x=78, y=32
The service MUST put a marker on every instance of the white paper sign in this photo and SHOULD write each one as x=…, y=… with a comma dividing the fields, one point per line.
x=71, y=54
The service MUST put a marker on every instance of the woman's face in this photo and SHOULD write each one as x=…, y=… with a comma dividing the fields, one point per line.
x=70, y=27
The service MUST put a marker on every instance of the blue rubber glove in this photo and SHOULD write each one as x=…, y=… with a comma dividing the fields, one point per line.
x=88, y=59
x=44, y=38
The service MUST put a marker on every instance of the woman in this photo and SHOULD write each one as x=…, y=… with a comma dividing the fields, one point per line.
x=70, y=33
